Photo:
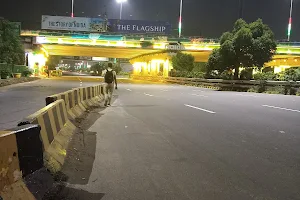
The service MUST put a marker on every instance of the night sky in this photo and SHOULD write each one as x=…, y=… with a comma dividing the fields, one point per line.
x=208, y=18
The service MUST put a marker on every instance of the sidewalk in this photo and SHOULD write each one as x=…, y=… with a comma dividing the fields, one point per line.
x=12, y=81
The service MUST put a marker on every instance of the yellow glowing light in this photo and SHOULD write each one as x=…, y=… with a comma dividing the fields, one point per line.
x=121, y=43
x=296, y=60
x=93, y=42
x=45, y=51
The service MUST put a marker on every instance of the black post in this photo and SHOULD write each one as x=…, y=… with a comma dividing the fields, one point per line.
x=241, y=9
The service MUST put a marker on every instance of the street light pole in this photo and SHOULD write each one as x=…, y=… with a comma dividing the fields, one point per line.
x=290, y=21
x=241, y=9
x=180, y=20
x=72, y=13
x=121, y=9
x=121, y=6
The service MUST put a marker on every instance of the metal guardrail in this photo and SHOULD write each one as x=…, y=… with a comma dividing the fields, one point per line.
x=219, y=83
x=231, y=83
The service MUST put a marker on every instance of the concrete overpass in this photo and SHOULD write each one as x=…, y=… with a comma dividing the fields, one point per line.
x=141, y=51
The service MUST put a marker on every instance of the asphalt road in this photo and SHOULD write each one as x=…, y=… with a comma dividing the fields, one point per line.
x=21, y=100
x=176, y=142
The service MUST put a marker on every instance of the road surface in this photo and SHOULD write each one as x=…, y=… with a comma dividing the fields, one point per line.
x=21, y=100
x=177, y=142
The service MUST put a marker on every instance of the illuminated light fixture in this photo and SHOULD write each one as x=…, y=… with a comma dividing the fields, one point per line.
x=284, y=60
x=93, y=42
x=274, y=60
x=120, y=43
x=45, y=51
x=290, y=21
x=296, y=60
x=180, y=20
x=121, y=6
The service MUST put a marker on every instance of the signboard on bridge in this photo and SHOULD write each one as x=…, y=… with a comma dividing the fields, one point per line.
x=175, y=46
x=80, y=24
x=139, y=27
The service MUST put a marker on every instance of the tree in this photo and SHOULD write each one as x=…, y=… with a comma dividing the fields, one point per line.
x=183, y=62
x=11, y=48
x=53, y=62
x=98, y=68
x=247, y=45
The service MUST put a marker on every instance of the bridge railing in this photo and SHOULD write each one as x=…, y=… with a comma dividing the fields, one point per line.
x=220, y=84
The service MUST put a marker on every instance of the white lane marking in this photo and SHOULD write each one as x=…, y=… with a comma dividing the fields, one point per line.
x=199, y=95
x=287, y=109
x=282, y=132
x=198, y=91
x=246, y=95
x=150, y=95
x=129, y=90
x=164, y=90
x=211, y=112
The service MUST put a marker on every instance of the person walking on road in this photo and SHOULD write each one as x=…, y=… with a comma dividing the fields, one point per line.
x=110, y=78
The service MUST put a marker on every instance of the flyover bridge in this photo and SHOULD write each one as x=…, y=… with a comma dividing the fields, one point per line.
x=143, y=51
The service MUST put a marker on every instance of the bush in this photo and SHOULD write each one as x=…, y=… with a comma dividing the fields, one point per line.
x=246, y=74
x=27, y=72
x=276, y=90
x=200, y=67
x=5, y=70
x=183, y=62
x=19, y=68
x=298, y=92
x=291, y=74
x=117, y=68
x=293, y=91
x=226, y=75
x=259, y=88
x=145, y=44
x=4, y=73
x=186, y=74
x=98, y=68
x=268, y=76
x=253, y=89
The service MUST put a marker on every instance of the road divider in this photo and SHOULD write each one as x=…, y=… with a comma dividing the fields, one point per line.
x=21, y=153
x=42, y=139
x=79, y=99
x=56, y=133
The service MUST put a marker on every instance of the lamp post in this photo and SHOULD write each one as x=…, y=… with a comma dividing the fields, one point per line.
x=241, y=9
x=180, y=20
x=72, y=13
x=290, y=21
x=121, y=6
